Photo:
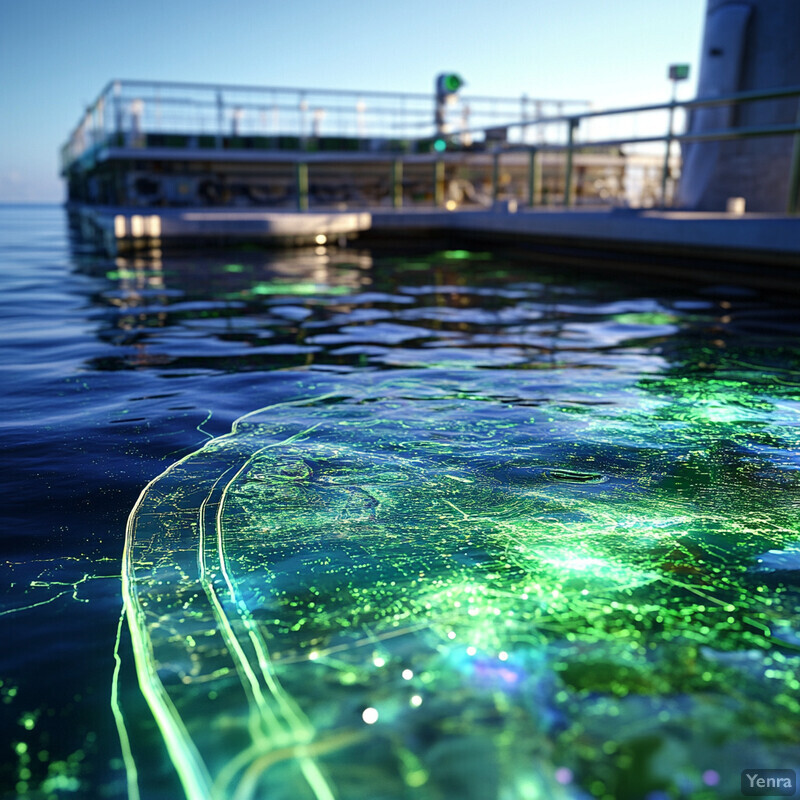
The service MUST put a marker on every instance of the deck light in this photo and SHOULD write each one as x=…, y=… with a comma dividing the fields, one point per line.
x=448, y=83
x=137, y=226
x=678, y=72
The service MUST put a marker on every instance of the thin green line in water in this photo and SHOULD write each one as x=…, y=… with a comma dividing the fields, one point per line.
x=131, y=773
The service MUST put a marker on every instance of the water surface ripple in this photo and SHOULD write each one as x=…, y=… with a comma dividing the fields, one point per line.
x=434, y=525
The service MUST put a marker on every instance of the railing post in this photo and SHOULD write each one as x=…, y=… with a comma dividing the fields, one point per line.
x=438, y=183
x=302, y=185
x=794, y=173
x=117, y=111
x=220, y=121
x=573, y=125
x=397, y=183
x=534, y=178
x=665, y=171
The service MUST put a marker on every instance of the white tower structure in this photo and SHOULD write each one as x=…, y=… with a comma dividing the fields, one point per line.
x=747, y=45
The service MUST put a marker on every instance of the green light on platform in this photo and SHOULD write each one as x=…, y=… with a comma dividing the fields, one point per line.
x=440, y=145
x=453, y=82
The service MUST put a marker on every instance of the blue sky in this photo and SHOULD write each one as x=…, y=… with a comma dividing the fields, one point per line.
x=55, y=56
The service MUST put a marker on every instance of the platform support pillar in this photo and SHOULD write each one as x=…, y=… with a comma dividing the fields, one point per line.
x=397, y=183
x=568, y=188
x=670, y=135
x=438, y=183
x=302, y=185
x=534, y=178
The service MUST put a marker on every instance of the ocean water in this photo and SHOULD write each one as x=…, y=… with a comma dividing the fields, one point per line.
x=338, y=523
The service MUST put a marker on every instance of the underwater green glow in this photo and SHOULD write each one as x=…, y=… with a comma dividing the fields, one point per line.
x=431, y=588
x=296, y=289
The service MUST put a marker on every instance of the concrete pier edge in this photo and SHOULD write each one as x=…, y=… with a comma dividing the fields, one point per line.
x=751, y=249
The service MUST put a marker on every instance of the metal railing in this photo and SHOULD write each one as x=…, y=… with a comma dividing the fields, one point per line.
x=137, y=107
x=572, y=142
x=133, y=108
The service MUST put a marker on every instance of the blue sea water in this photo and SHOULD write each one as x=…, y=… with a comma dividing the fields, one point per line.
x=113, y=369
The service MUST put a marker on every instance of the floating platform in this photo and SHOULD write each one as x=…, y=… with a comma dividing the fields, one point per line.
x=155, y=164
x=124, y=229
x=750, y=249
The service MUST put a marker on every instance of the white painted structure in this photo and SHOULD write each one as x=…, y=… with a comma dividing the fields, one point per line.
x=747, y=45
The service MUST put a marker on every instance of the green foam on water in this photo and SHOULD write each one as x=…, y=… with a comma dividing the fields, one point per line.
x=417, y=589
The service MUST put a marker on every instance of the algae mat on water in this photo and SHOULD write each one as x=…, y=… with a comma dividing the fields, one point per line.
x=437, y=590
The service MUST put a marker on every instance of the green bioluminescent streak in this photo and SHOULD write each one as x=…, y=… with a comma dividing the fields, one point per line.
x=191, y=770
x=131, y=772
x=184, y=755
x=363, y=588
